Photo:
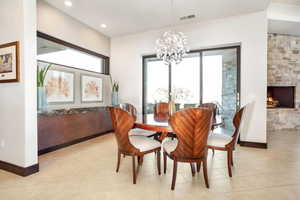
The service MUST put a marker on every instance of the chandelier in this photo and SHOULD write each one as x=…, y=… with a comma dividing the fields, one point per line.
x=171, y=47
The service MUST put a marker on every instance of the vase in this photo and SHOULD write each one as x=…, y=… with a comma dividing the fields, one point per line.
x=177, y=106
x=172, y=107
x=42, y=99
x=114, y=98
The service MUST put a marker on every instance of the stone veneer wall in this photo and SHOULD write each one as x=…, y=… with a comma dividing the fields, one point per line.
x=229, y=86
x=284, y=70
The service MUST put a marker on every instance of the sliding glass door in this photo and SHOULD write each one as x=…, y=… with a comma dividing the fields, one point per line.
x=185, y=79
x=177, y=82
x=203, y=76
x=221, y=81
x=156, y=83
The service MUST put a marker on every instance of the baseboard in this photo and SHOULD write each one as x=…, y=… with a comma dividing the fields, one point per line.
x=253, y=144
x=60, y=146
x=22, y=171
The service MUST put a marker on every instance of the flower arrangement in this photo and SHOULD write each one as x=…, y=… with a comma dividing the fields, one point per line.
x=178, y=95
x=181, y=95
x=161, y=95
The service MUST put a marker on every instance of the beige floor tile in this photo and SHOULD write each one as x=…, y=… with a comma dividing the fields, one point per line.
x=86, y=171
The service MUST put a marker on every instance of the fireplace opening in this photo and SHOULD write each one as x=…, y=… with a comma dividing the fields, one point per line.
x=281, y=97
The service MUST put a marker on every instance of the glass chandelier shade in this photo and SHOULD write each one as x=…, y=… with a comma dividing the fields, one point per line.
x=171, y=47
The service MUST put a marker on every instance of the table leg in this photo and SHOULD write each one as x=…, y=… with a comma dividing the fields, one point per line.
x=163, y=136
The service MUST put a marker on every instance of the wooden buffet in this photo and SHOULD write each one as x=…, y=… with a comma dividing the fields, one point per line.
x=62, y=128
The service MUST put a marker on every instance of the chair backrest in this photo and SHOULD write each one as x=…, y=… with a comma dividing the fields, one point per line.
x=122, y=122
x=236, y=123
x=130, y=109
x=162, y=111
x=240, y=121
x=213, y=107
x=191, y=127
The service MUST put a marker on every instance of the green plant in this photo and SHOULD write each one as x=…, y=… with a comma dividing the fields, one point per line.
x=115, y=87
x=41, y=75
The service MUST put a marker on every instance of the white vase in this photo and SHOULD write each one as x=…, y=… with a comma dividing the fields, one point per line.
x=42, y=99
x=114, y=98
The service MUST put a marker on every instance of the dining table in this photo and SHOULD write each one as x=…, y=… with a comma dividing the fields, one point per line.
x=161, y=125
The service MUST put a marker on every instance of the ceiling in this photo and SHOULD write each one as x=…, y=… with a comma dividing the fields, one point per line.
x=293, y=2
x=284, y=27
x=131, y=16
x=284, y=17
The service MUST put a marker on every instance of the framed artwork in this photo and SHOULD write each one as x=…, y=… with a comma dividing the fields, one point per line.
x=9, y=62
x=91, y=89
x=59, y=86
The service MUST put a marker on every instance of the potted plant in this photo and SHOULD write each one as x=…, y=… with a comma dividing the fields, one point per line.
x=114, y=94
x=41, y=93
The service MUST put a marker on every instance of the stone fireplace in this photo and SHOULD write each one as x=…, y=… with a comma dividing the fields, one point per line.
x=283, y=98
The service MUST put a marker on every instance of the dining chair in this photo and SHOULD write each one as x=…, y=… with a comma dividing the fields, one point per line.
x=213, y=107
x=135, y=146
x=130, y=109
x=224, y=142
x=191, y=127
x=162, y=111
x=133, y=112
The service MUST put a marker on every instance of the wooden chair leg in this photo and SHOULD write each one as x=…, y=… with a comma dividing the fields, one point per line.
x=140, y=160
x=165, y=162
x=229, y=162
x=133, y=170
x=174, y=174
x=193, y=169
x=232, y=158
x=198, y=166
x=205, y=171
x=119, y=160
x=158, y=162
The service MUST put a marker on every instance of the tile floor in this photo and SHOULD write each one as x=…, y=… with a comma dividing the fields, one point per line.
x=86, y=171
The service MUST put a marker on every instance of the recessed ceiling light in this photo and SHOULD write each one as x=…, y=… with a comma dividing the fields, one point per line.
x=103, y=25
x=68, y=3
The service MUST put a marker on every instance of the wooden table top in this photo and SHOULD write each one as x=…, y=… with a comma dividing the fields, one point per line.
x=149, y=122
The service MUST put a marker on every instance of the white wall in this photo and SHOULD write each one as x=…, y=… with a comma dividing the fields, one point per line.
x=18, y=132
x=249, y=30
x=57, y=24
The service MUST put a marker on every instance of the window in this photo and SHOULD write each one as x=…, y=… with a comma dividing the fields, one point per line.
x=55, y=51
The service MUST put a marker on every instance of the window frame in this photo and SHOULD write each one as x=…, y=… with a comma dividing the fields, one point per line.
x=105, y=59
x=200, y=51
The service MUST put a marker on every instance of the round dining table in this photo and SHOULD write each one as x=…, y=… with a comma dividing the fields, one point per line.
x=160, y=124
x=157, y=124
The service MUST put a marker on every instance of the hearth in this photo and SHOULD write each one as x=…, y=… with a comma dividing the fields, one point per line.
x=281, y=97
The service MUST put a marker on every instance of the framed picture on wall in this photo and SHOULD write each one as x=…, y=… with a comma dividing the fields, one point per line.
x=59, y=86
x=9, y=62
x=91, y=89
